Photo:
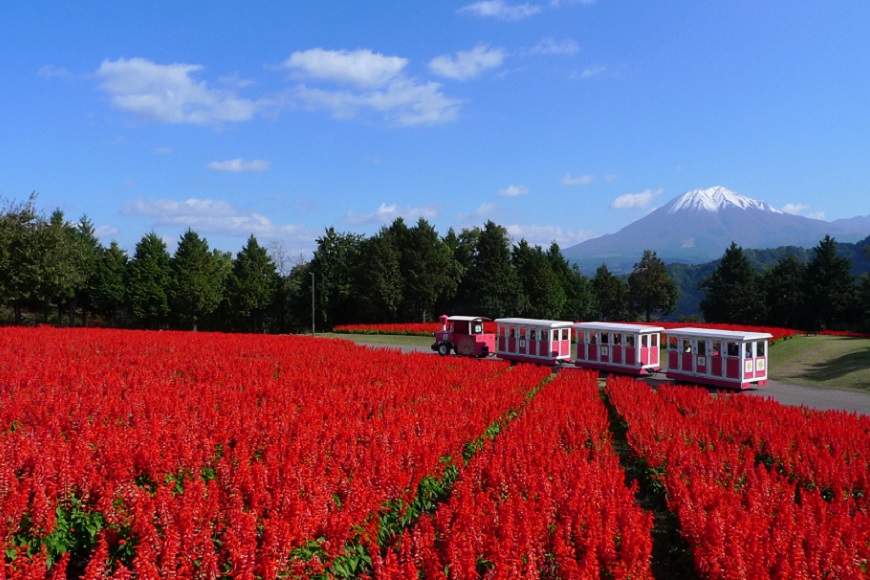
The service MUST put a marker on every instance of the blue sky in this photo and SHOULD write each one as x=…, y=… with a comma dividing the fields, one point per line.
x=561, y=120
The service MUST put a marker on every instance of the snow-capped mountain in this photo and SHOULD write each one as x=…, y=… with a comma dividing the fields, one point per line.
x=698, y=227
x=715, y=199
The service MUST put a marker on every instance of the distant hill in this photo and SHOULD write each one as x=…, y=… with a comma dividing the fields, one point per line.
x=698, y=226
x=689, y=276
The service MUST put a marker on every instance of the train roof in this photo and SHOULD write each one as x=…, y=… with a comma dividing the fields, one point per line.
x=716, y=333
x=618, y=327
x=466, y=318
x=534, y=322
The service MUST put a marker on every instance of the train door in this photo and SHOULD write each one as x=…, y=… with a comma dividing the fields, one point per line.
x=732, y=360
x=616, y=350
x=582, y=345
x=749, y=360
x=701, y=361
x=593, y=346
x=717, y=358
x=631, y=353
x=687, y=355
x=761, y=359
x=604, y=349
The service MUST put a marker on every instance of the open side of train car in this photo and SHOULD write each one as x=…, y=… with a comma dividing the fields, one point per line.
x=546, y=342
x=624, y=348
x=721, y=358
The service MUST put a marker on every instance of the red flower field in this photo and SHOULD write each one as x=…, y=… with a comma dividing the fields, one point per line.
x=129, y=454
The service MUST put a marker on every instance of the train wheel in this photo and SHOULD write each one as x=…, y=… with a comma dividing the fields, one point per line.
x=443, y=349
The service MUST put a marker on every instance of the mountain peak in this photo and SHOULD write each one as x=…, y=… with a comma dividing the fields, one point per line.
x=715, y=199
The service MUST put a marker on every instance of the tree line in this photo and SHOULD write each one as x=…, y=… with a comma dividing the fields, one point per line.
x=55, y=271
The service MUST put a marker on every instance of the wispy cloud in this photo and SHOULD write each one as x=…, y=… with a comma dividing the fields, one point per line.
x=795, y=208
x=514, y=190
x=363, y=68
x=170, y=94
x=469, y=64
x=545, y=235
x=579, y=180
x=484, y=211
x=53, y=72
x=501, y=10
x=104, y=232
x=636, y=200
x=550, y=46
x=239, y=165
x=593, y=71
x=217, y=217
x=386, y=213
x=164, y=150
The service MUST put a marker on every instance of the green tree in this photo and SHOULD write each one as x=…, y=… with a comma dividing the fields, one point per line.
x=426, y=268
x=333, y=266
x=196, y=288
x=460, y=297
x=380, y=281
x=19, y=254
x=542, y=294
x=784, y=293
x=108, y=288
x=495, y=285
x=58, y=264
x=148, y=282
x=830, y=286
x=612, y=299
x=651, y=287
x=251, y=286
x=90, y=252
x=732, y=293
x=579, y=300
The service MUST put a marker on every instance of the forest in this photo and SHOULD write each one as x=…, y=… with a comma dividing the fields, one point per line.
x=54, y=271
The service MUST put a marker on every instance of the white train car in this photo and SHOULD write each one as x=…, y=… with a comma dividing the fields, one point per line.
x=721, y=358
x=546, y=342
x=618, y=347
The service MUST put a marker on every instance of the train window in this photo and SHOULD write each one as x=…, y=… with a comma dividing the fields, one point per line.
x=512, y=332
x=644, y=340
x=733, y=349
x=617, y=338
x=478, y=328
x=581, y=336
x=655, y=340
x=593, y=337
x=672, y=343
x=702, y=348
x=605, y=337
x=749, y=350
x=687, y=345
x=717, y=348
x=759, y=348
x=629, y=341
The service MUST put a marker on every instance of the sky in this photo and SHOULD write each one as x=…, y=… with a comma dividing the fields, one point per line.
x=561, y=120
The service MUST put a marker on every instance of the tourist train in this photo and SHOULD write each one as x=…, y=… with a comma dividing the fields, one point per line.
x=719, y=358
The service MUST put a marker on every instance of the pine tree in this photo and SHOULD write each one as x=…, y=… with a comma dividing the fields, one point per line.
x=612, y=299
x=651, y=288
x=830, y=286
x=148, y=282
x=784, y=289
x=732, y=293
x=542, y=293
x=252, y=284
x=196, y=289
x=496, y=286
x=108, y=288
x=579, y=301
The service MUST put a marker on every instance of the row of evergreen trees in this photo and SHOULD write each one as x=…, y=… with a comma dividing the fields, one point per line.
x=55, y=271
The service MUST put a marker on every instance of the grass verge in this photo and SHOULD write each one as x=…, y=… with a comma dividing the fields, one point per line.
x=822, y=361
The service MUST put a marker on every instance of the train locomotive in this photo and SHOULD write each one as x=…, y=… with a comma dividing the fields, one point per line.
x=718, y=358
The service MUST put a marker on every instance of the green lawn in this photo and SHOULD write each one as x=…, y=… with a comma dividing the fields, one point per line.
x=382, y=339
x=827, y=361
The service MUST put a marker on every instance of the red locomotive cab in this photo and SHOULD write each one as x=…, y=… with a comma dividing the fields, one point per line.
x=464, y=335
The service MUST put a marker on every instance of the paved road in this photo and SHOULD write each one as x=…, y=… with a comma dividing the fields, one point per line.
x=786, y=393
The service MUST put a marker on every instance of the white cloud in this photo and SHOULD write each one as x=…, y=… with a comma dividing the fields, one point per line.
x=53, y=72
x=593, y=71
x=514, y=190
x=545, y=235
x=363, y=68
x=103, y=232
x=239, y=165
x=610, y=177
x=168, y=93
x=579, y=180
x=819, y=215
x=636, y=200
x=795, y=208
x=484, y=212
x=467, y=64
x=403, y=101
x=216, y=217
x=501, y=10
x=386, y=213
x=165, y=150
x=550, y=46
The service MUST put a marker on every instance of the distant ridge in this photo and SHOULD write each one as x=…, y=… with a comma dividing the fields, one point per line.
x=699, y=225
